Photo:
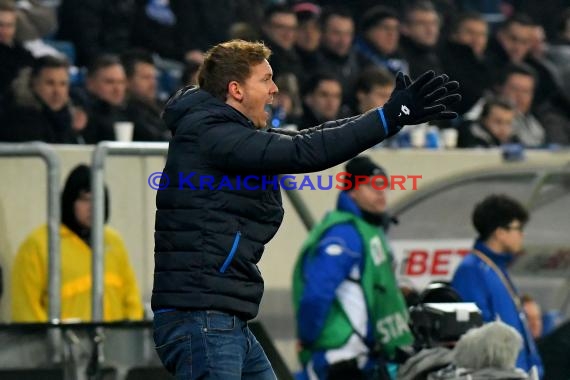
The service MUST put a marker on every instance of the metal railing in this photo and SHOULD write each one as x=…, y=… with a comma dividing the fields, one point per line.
x=47, y=153
x=102, y=150
x=301, y=208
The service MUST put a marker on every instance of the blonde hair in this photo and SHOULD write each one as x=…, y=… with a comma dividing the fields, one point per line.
x=230, y=61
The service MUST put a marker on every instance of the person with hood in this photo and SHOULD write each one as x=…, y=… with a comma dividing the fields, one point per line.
x=348, y=305
x=211, y=228
x=482, y=276
x=488, y=352
x=122, y=300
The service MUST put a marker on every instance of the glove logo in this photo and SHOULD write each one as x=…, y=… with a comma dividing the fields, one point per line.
x=405, y=110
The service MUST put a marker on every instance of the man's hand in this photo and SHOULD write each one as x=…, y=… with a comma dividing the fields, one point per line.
x=417, y=102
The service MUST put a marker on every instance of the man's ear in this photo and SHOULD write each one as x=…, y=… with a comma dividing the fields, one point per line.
x=498, y=233
x=234, y=91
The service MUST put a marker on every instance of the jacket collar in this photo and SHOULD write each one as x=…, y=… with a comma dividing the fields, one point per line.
x=501, y=259
x=347, y=204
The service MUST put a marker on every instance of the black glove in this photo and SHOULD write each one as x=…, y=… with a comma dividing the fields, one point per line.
x=417, y=102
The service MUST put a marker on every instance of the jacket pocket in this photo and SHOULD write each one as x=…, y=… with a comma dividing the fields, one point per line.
x=232, y=253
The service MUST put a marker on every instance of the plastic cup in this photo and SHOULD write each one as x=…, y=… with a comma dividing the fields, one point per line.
x=418, y=137
x=449, y=137
x=124, y=130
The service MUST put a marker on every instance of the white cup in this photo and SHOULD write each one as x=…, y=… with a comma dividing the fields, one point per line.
x=418, y=137
x=124, y=130
x=449, y=137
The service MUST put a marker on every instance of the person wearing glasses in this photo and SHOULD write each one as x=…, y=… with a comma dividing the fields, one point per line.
x=483, y=278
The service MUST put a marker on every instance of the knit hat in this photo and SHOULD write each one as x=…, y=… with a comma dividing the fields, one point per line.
x=306, y=11
x=363, y=166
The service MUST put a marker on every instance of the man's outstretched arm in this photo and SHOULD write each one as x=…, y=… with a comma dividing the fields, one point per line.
x=233, y=147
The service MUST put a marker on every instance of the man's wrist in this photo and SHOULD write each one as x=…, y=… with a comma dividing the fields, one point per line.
x=383, y=120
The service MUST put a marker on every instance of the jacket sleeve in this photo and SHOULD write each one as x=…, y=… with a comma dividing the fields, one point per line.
x=337, y=253
x=235, y=148
x=29, y=283
x=328, y=124
x=470, y=284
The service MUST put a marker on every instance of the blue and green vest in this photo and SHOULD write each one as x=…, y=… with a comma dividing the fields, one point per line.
x=386, y=305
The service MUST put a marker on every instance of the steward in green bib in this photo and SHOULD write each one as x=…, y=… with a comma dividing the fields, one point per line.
x=350, y=313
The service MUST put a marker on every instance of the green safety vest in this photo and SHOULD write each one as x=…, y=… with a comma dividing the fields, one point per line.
x=386, y=305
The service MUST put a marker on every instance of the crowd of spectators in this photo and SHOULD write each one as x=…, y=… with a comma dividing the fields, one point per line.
x=71, y=69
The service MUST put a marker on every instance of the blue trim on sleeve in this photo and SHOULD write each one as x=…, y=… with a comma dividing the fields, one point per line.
x=383, y=118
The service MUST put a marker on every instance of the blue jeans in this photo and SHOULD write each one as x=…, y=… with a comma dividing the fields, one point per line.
x=209, y=345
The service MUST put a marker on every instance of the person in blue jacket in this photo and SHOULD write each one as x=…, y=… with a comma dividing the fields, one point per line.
x=482, y=276
x=351, y=315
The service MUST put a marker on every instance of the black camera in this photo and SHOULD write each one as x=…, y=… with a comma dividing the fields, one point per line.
x=443, y=323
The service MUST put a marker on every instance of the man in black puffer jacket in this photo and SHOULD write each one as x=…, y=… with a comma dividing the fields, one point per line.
x=220, y=206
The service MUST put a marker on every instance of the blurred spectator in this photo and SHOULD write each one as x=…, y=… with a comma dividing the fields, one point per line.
x=533, y=314
x=338, y=57
x=36, y=20
x=286, y=108
x=41, y=108
x=492, y=11
x=279, y=32
x=462, y=58
x=517, y=83
x=378, y=40
x=483, y=278
x=122, y=299
x=546, y=13
x=420, y=35
x=12, y=55
x=538, y=43
x=308, y=34
x=190, y=73
x=511, y=43
x=106, y=90
x=554, y=349
x=360, y=7
x=203, y=24
x=96, y=26
x=322, y=99
x=494, y=128
x=154, y=29
x=374, y=86
x=142, y=103
x=549, y=81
